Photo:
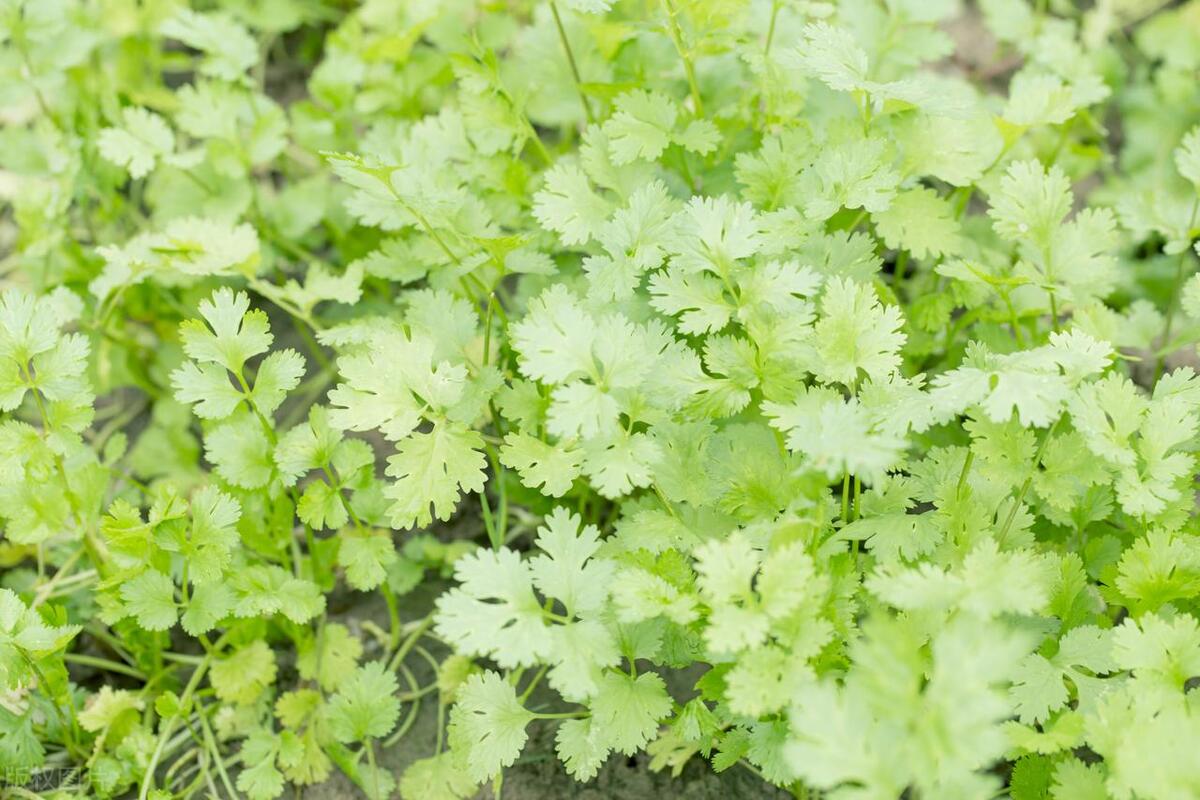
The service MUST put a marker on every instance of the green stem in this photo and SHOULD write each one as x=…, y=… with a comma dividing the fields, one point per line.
x=46, y=590
x=538, y=146
x=370, y=745
x=501, y=521
x=210, y=742
x=677, y=39
x=1063, y=137
x=966, y=469
x=771, y=28
x=1173, y=303
x=562, y=36
x=846, y=496
x=564, y=715
x=389, y=597
x=267, y=427
x=413, y=711
x=489, y=523
x=1013, y=321
x=69, y=727
x=167, y=727
x=533, y=683
x=413, y=637
x=1037, y=460
x=304, y=328
x=104, y=664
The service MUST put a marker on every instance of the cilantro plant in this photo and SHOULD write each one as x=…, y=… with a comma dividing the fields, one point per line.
x=804, y=391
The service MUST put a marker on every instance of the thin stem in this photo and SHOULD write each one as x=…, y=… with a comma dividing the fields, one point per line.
x=389, y=598
x=168, y=725
x=1173, y=303
x=68, y=727
x=45, y=591
x=489, y=523
x=113, y=643
x=415, y=696
x=967, y=191
x=1063, y=137
x=1014, y=322
x=501, y=521
x=846, y=496
x=104, y=664
x=303, y=327
x=771, y=28
x=487, y=329
x=418, y=693
x=677, y=38
x=335, y=481
x=533, y=683
x=177, y=767
x=441, y=725
x=183, y=658
x=562, y=36
x=370, y=745
x=538, y=146
x=1037, y=460
x=966, y=469
x=564, y=715
x=413, y=711
x=268, y=428
x=410, y=642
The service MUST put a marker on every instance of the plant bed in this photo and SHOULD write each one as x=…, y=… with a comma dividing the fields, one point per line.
x=605, y=399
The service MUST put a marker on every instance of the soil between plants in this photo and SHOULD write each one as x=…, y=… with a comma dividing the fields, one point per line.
x=537, y=774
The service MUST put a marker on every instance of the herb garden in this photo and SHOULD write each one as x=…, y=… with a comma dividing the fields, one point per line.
x=600, y=399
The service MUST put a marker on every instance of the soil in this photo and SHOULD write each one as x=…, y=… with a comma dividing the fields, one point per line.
x=537, y=774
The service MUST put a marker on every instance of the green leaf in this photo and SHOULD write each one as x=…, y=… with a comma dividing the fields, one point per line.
x=487, y=725
x=569, y=206
x=23, y=634
x=1038, y=686
x=150, y=598
x=1187, y=157
x=628, y=710
x=494, y=611
x=365, y=706
x=921, y=222
x=229, y=49
x=241, y=452
x=278, y=374
x=245, y=674
x=331, y=657
x=232, y=335
x=365, y=557
x=260, y=779
x=208, y=605
x=1031, y=202
x=142, y=139
x=431, y=471
x=582, y=747
x=438, y=777
x=548, y=467
x=268, y=590
x=831, y=55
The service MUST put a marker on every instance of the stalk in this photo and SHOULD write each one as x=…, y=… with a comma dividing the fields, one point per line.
x=677, y=39
x=566, y=43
